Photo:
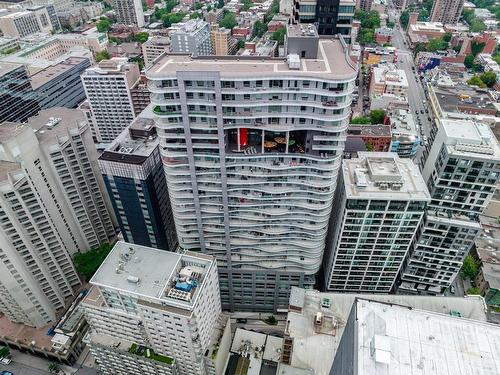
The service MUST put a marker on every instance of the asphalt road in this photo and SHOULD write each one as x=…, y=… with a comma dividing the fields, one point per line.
x=20, y=369
x=416, y=94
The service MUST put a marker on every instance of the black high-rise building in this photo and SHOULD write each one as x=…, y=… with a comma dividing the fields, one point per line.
x=331, y=17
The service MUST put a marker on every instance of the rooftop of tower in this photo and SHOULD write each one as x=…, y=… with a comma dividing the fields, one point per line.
x=469, y=138
x=383, y=175
x=153, y=275
x=332, y=62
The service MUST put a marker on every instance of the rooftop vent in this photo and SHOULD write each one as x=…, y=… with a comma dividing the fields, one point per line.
x=53, y=121
x=132, y=279
x=293, y=61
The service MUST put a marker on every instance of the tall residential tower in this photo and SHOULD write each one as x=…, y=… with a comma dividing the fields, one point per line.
x=252, y=152
x=462, y=172
x=380, y=205
x=52, y=204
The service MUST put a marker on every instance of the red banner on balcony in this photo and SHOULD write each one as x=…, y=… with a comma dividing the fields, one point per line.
x=243, y=137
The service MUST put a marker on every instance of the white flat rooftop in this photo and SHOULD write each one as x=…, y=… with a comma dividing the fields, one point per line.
x=150, y=273
x=383, y=175
x=316, y=351
x=394, y=340
x=471, y=138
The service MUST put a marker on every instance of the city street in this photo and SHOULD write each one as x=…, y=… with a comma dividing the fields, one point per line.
x=416, y=93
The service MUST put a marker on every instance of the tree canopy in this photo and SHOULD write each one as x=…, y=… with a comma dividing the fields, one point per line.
x=437, y=44
x=87, y=263
x=476, y=81
x=469, y=268
x=361, y=120
x=279, y=35
x=104, y=25
x=377, y=116
x=229, y=21
x=489, y=78
x=259, y=28
x=103, y=55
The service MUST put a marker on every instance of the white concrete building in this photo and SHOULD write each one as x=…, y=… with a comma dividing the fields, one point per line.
x=129, y=12
x=193, y=37
x=387, y=79
x=107, y=86
x=20, y=23
x=251, y=152
x=461, y=171
x=380, y=205
x=52, y=205
x=383, y=338
x=153, y=312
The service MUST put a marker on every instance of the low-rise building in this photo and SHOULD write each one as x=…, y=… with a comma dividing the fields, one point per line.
x=317, y=322
x=387, y=79
x=375, y=137
x=383, y=35
x=405, y=132
x=380, y=338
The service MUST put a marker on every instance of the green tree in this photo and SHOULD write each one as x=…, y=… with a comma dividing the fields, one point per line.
x=241, y=44
x=103, y=55
x=279, y=35
x=469, y=61
x=195, y=15
x=366, y=36
x=489, y=78
x=53, y=368
x=245, y=5
x=473, y=290
x=369, y=146
x=169, y=5
x=369, y=20
x=229, y=21
x=476, y=81
x=259, y=28
x=87, y=263
x=271, y=319
x=437, y=44
x=220, y=4
x=476, y=48
x=469, y=268
x=391, y=24
x=209, y=8
x=104, y=25
x=377, y=116
x=419, y=47
x=468, y=15
x=361, y=120
x=4, y=352
x=477, y=26
x=198, y=6
x=404, y=18
x=141, y=37
x=447, y=37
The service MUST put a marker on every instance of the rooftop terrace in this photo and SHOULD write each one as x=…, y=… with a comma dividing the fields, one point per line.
x=331, y=63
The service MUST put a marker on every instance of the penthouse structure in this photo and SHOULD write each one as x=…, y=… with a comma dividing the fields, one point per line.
x=52, y=200
x=133, y=173
x=251, y=154
x=153, y=312
x=332, y=16
x=461, y=171
x=108, y=86
x=380, y=205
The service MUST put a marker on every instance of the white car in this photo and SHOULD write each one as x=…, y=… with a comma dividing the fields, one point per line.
x=5, y=361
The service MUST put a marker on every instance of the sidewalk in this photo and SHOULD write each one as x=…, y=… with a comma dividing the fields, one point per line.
x=43, y=364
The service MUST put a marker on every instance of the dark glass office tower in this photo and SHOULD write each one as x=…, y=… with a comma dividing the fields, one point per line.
x=133, y=174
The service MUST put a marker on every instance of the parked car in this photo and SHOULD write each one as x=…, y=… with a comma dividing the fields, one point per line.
x=5, y=361
x=241, y=320
x=422, y=111
x=6, y=373
x=429, y=119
